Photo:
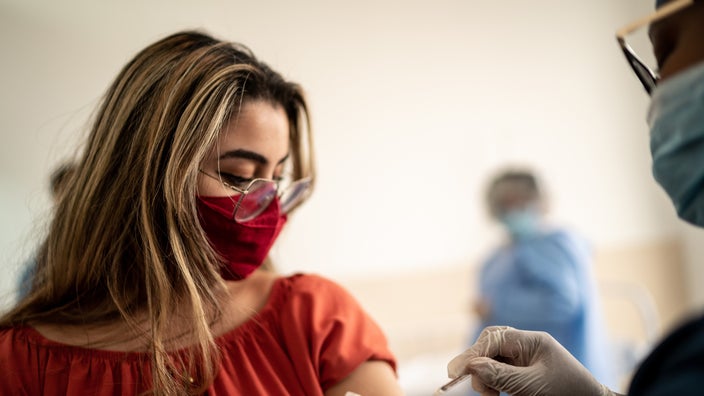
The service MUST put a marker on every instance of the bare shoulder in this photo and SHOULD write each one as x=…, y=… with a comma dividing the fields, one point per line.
x=115, y=336
x=244, y=299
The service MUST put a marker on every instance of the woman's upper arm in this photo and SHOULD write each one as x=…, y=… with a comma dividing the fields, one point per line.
x=371, y=378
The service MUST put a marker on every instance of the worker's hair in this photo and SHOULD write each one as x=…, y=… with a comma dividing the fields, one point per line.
x=125, y=245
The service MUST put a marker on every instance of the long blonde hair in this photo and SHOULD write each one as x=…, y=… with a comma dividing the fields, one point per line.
x=125, y=239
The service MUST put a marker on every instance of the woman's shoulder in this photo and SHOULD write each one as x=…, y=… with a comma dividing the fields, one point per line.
x=273, y=298
x=308, y=281
x=9, y=338
x=12, y=336
x=34, y=364
x=306, y=286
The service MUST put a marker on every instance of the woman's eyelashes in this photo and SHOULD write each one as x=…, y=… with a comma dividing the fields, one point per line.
x=235, y=180
x=243, y=182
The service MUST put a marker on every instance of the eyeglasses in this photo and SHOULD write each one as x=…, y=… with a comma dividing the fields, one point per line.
x=645, y=74
x=259, y=193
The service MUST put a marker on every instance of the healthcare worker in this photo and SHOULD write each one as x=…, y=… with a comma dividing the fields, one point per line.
x=547, y=270
x=532, y=363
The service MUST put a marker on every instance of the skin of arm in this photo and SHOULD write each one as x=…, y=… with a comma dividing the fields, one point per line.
x=371, y=378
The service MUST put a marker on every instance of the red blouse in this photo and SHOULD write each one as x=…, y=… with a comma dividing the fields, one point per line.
x=310, y=335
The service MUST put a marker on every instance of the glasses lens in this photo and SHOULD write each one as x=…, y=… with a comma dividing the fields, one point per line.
x=259, y=195
x=645, y=75
x=293, y=194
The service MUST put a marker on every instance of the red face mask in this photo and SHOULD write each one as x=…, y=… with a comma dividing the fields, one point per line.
x=243, y=246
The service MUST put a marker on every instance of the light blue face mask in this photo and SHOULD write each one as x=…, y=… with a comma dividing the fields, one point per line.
x=522, y=223
x=676, y=119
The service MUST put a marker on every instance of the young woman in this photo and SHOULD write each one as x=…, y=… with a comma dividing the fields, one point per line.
x=149, y=279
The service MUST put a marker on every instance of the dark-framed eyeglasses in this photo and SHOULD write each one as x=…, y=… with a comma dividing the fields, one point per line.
x=259, y=194
x=647, y=76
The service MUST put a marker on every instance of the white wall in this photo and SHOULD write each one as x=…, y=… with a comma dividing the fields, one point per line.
x=413, y=103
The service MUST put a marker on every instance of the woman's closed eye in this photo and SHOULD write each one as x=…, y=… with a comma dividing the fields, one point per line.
x=236, y=181
x=244, y=182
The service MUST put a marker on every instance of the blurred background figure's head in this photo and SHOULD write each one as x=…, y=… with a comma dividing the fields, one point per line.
x=515, y=199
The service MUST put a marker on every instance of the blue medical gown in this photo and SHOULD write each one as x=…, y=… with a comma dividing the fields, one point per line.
x=545, y=282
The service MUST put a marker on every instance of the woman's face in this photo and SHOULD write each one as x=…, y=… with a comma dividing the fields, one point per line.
x=253, y=145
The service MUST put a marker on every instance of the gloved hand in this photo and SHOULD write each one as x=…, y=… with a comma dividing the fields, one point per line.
x=524, y=363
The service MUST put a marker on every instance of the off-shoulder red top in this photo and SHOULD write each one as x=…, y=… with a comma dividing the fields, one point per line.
x=310, y=334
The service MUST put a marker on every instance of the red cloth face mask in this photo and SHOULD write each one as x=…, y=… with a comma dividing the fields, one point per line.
x=243, y=246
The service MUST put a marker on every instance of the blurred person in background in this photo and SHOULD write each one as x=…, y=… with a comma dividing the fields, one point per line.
x=541, y=277
x=530, y=363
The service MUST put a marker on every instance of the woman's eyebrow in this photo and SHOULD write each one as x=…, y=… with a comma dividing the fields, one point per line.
x=250, y=155
x=245, y=154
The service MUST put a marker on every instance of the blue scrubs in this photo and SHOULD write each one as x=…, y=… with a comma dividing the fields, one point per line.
x=545, y=282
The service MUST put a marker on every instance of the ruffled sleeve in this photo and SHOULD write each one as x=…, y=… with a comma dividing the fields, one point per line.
x=325, y=325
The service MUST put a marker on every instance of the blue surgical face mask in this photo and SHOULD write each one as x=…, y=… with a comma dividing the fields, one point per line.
x=676, y=119
x=522, y=223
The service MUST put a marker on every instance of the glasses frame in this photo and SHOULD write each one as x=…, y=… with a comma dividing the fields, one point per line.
x=245, y=191
x=647, y=76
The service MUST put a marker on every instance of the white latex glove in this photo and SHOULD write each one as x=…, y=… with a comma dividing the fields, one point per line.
x=524, y=363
